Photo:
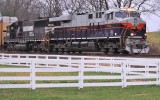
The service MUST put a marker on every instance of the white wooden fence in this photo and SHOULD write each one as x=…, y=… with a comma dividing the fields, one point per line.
x=82, y=71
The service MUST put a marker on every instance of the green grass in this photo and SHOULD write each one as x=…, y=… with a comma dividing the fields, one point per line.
x=154, y=38
x=11, y=66
x=92, y=93
x=54, y=74
x=59, y=74
x=97, y=93
x=154, y=42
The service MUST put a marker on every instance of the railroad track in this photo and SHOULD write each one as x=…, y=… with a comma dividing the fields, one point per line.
x=91, y=54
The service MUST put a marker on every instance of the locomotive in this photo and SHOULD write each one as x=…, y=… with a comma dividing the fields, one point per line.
x=119, y=30
x=4, y=22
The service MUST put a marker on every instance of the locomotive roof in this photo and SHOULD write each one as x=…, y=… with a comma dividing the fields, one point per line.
x=41, y=19
x=69, y=17
x=36, y=20
x=61, y=18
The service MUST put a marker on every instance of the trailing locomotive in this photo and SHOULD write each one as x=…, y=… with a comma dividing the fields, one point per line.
x=116, y=30
x=4, y=22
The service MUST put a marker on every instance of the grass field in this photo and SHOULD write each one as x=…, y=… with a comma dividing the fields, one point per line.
x=97, y=93
x=154, y=42
x=92, y=93
x=154, y=38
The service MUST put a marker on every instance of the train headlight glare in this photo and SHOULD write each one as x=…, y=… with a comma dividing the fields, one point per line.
x=115, y=34
x=145, y=34
x=132, y=34
x=128, y=9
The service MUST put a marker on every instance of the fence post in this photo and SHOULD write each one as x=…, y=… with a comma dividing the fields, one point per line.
x=123, y=74
x=97, y=64
x=2, y=56
x=46, y=58
x=19, y=59
x=146, y=67
x=112, y=65
x=58, y=65
x=10, y=56
x=158, y=73
x=70, y=62
x=81, y=73
x=33, y=75
x=128, y=65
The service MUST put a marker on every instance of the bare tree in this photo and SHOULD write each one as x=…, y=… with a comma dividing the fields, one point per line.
x=51, y=8
x=18, y=8
x=96, y=5
x=72, y=6
x=31, y=9
x=149, y=6
x=106, y=4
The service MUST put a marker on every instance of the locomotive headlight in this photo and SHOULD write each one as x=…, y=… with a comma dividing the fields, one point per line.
x=145, y=34
x=115, y=34
x=132, y=34
x=128, y=9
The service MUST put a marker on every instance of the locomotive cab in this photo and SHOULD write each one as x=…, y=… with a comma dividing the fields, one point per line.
x=131, y=29
x=135, y=35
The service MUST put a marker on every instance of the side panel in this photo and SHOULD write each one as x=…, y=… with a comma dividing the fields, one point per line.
x=86, y=32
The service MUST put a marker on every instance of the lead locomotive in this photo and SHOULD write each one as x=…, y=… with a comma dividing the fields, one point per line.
x=118, y=30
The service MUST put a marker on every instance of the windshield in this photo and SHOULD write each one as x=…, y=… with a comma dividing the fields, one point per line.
x=121, y=14
x=134, y=14
x=127, y=14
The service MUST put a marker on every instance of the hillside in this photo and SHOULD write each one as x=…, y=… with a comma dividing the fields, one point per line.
x=154, y=40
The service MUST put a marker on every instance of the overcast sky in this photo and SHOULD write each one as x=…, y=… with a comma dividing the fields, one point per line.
x=153, y=22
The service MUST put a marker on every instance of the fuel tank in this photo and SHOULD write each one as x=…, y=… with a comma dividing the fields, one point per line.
x=20, y=47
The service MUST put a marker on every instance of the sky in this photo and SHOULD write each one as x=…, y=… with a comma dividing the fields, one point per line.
x=152, y=21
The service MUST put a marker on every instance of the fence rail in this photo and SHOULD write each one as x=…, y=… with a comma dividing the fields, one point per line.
x=39, y=71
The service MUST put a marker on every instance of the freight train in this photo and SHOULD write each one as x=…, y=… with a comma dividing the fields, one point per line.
x=119, y=30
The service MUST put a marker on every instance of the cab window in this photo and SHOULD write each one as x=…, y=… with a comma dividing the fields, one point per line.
x=134, y=14
x=99, y=14
x=127, y=14
x=121, y=14
x=109, y=16
x=90, y=16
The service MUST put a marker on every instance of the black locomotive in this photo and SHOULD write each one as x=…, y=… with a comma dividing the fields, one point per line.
x=113, y=31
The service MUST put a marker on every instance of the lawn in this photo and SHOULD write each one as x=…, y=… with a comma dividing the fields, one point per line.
x=153, y=38
x=87, y=93
x=96, y=93
x=154, y=42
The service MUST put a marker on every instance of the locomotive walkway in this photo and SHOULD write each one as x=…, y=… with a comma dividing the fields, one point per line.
x=85, y=71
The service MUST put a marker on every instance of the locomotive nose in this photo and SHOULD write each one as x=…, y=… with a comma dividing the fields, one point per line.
x=136, y=26
x=133, y=23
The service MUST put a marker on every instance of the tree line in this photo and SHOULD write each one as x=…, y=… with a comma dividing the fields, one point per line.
x=32, y=9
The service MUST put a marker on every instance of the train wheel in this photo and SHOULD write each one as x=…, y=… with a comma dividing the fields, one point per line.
x=56, y=50
x=35, y=50
x=125, y=52
x=116, y=51
x=73, y=51
x=106, y=51
x=68, y=52
x=62, y=50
